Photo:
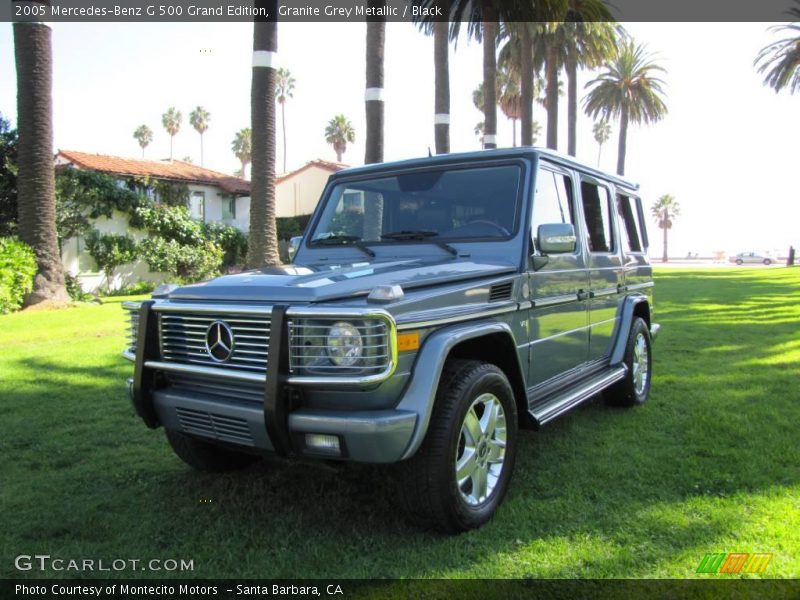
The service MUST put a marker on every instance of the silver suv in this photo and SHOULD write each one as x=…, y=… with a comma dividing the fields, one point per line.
x=433, y=308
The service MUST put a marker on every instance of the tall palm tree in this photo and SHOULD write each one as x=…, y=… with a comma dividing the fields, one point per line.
x=262, y=248
x=536, y=131
x=199, y=119
x=339, y=133
x=510, y=98
x=601, y=131
x=628, y=90
x=780, y=61
x=242, y=146
x=171, y=120
x=664, y=210
x=143, y=135
x=36, y=201
x=373, y=98
x=441, y=79
x=284, y=89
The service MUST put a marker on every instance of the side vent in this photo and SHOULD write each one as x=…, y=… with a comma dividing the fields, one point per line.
x=501, y=291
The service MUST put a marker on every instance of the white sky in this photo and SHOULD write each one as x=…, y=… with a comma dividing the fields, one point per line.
x=727, y=150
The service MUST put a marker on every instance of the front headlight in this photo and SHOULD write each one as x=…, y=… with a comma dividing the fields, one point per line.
x=344, y=344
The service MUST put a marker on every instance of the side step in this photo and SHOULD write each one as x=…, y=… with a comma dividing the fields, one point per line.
x=564, y=401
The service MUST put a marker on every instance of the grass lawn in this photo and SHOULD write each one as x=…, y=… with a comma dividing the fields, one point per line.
x=710, y=464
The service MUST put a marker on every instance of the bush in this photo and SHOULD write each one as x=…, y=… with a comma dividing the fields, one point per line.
x=232, y=241
x=110, y=251
x=137, y=289
x=289, y=227
x=17, y=270
x=188, y=262
x=168, y=222
x=74, y=288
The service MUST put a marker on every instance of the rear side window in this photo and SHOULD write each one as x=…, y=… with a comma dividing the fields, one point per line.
x=552, y=202
x=597, y=214
x=631, y=234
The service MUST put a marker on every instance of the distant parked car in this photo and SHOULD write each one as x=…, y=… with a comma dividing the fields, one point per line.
x=752, y=258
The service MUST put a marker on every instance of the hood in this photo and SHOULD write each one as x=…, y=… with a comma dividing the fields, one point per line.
x=294, y=283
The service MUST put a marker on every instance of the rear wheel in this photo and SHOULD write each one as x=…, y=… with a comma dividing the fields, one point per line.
x=634, y=388
x=459, y=475
x=739, y=262
x=767, y=262
x=205, y=456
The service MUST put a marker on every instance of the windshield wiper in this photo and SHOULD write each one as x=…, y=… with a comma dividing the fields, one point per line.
x=420, y=235
x=335, y=239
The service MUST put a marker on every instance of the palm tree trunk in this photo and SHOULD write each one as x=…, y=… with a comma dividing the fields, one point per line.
x=526, y=86
x=263, y=240
x=599, y=150
x=664, y=255
x=338, y=155
x=171, y=137
x=201, y=149
x=244, y=164
x=441, y=117
x=572, y=105
x=489, y=76
x=283, y=122
x=373, y=97
x=36, y=204
x=623, y=141
x=551, y=70
x=514, y=132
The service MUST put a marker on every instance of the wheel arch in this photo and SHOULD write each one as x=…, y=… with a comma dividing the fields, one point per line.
x=634, y=306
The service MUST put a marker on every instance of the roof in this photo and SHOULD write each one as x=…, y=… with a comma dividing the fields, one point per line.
x=519, y=152
x=172, y=170
x=326, y=165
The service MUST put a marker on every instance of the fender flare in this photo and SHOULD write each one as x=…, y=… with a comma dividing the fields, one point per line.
x=624, y=324
x=420, y=393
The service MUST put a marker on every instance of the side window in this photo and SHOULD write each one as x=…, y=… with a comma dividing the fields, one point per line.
x=552, y=201
x=597, y=214
x=631, y=228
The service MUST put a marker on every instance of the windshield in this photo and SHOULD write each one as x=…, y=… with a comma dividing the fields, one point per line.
x=452, y=204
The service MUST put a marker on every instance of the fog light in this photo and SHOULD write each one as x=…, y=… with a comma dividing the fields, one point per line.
x=320, y=442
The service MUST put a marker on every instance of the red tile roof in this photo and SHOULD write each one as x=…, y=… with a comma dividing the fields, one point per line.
x=173, y=170
x=322, y=164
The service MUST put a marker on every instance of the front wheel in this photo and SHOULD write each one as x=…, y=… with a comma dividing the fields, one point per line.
x=739, y=262
x=634, y=388
x=459, y=475
x=767, y=262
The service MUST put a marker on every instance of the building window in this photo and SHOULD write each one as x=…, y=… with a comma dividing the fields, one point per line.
x=197, y=206
x=229, y=208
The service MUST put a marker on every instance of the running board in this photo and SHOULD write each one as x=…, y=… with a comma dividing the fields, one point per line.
x=574, y=396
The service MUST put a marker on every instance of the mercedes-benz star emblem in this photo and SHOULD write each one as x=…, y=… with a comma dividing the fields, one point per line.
x=219, y=341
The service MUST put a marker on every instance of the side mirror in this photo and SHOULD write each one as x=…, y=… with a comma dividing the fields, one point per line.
x=294, y=244
x=556, y=238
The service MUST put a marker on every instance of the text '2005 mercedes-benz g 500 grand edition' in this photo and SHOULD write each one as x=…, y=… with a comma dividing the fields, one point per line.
x=433, y=307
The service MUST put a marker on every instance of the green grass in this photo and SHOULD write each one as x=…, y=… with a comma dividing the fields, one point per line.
x=710, y=464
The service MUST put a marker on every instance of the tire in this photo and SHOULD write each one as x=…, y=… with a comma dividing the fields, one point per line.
x=205, y=456
x=635, y=387
x=429, y=488
x=767, y=262
x=739, y=262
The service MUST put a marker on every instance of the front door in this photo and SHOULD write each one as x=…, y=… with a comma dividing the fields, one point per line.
x=558, y=327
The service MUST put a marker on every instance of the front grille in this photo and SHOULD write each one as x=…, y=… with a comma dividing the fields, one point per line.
x=183, y=340
x=225, y=389
x=218, y=427
x=133, y=329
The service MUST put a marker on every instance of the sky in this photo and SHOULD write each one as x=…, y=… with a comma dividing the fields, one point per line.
x=726, y=151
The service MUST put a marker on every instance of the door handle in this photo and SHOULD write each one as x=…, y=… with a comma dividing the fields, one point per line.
x=584, y=295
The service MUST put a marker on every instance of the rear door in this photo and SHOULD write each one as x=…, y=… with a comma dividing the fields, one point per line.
x=604, y=263
x=558, y=327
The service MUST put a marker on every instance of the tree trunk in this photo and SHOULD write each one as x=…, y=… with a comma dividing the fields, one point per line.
x=171, y=137
x=283, y=122
x=36, y=203
x=201, y=149
x=338, y=156
x=599, y=150
x=526, y=86
x=441, y=117
x=623, y=141
x=551, y=70
x=514, y=132
x=373, y=97
x=244, y=165
x=572, y=106
x=489, y=76
x=664, y=256
x=263, y=239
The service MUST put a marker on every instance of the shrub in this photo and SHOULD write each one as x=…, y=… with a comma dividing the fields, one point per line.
x=17, y=270
x=168, y=222
x=74, y=288
x=232, y=241
x=289, y=227
x=188, y=262
x=137, y=289
x=110, y=251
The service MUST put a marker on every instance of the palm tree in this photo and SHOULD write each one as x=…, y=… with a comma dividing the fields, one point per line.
x=36, y=201
x=143, y=135
x=339, y=133
x=479, y=129
x=199, y=119
x=373, y=98
x=536, y=131
x=510, y=98
x=664, y=210
x=242, y=147
x=780, y=60
x=262, y=248
x=627, y=90
x=171, y=120
x=601, y=131
x=284, y=89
